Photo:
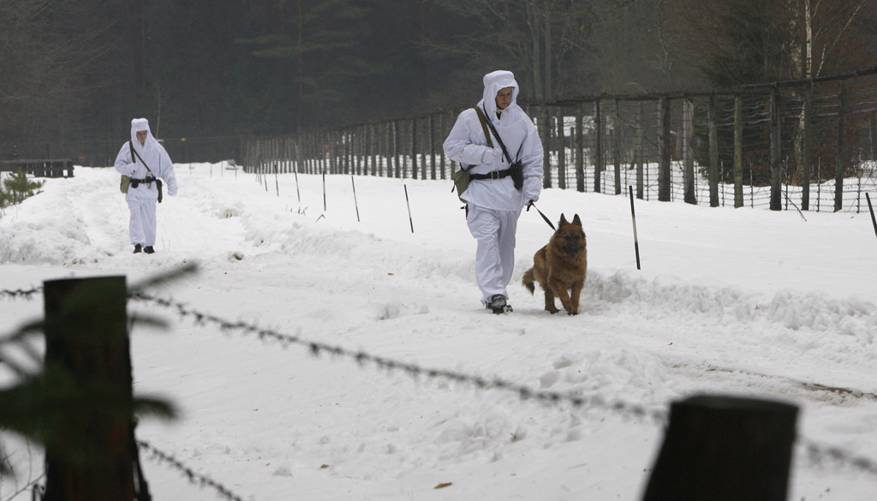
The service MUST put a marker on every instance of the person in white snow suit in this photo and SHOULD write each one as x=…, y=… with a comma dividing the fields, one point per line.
x=494, y=202
x=145, y=161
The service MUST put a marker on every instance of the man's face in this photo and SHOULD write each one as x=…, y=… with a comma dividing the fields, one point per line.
x=504, y=98
x=141, y=136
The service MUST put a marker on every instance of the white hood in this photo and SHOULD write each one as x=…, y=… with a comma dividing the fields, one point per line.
x=137, y=125
x=494, y=82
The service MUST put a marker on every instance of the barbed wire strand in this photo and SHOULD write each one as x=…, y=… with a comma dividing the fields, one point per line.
x=191, y=475
x=362, y=358
x=820, y=453
x=26, y=487
x=21, y=293
x=660, y=417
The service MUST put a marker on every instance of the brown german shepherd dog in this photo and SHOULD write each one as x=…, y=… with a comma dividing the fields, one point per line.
x=560, y=267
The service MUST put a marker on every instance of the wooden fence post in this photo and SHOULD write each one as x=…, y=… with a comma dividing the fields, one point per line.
x=618, y=136
x=721, y=448
x=776, y=192
x=805, y=147
x=414, y=148
x=842, y=157
x=738, y=151
x=665, y=146
x=561, y=151
x=640, y=150
x=599, y=162
x=580, y=150
x=545, y=132
x=442, y=160
x=688, y=149
x=714, y=153
x=397, y=138
x=87, y=338
x=431, y=146
x=375, y=147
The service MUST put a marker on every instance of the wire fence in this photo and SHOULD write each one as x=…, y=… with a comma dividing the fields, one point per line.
x=101, y=152
x=157, y=455
x=816, y=453
x=808, y=144
x=415, y=371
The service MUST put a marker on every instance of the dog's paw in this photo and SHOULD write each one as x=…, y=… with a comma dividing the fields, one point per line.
x=552, y=310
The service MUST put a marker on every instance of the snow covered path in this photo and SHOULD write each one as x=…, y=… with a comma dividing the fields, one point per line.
x=739, y=301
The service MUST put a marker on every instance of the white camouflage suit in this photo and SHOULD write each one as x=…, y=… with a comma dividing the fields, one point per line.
x=494, y=205
x=142, y=200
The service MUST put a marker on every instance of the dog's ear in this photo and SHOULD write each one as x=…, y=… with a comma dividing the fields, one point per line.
x=576, y=221
x=563, y=220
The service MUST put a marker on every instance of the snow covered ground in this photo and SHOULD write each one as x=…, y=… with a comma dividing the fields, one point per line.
x=730, y=301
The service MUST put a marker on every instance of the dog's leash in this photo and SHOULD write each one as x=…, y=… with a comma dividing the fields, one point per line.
x=533, y=205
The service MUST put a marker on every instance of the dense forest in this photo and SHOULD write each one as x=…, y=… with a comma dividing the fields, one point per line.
x=78, y=71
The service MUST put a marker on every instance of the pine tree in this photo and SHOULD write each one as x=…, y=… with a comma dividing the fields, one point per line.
x=19, y=187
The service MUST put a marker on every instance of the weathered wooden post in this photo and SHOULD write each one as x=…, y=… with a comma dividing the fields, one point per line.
x=618, y=135
x=842, y=157
x=599, y=162
x=432, y=147
x=640, y=153
x=371, y=149
x=720, y=448
x=332, y=142
x=561, y=151
x=665, y=146
x=442, y=160
x=397, y=138
x=738, y=151
x=388, y=148
x=714, y=152
x=580, y=150
x=775, y=124
x=414, y=148
x=349, y=141
x=376, y=148
x=545, y=132
x=805, y=147
x=86, y=337
x=690, y=196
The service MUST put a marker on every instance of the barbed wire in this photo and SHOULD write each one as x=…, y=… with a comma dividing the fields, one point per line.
x=820, y=453
x=33, y=483
x=193, y=477
x=20, y=293
x=362, y=358
x=817, y=452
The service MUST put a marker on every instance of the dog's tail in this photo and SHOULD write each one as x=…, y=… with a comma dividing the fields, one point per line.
x=529, y=277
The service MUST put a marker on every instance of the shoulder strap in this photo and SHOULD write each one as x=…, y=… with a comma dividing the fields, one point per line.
x=139, y=157
x=483, y=119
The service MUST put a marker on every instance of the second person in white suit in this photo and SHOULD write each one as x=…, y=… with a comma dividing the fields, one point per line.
x=145, y=161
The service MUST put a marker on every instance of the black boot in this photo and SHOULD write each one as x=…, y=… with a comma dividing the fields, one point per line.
x=137, y=248
x=148, y=249
x=498, y=304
